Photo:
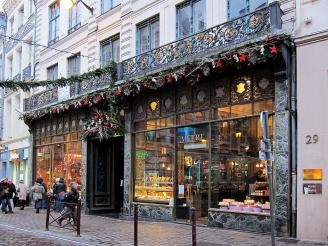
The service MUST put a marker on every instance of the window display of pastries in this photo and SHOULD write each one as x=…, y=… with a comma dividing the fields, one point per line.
x=249, y=205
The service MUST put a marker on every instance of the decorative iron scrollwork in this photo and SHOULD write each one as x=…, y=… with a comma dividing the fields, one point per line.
x=246, y=27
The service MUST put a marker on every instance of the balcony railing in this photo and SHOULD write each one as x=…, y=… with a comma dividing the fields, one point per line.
x=247, y=27
x=41, y=99
x=27, y=73
x=243, y=28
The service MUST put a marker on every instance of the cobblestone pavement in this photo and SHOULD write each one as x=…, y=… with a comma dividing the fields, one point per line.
x=96, y=230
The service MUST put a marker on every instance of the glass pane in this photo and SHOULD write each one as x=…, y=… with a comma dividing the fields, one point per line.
x=43, y=160
x=199, y=10
x=143, y=39
x=255, y=4
x=67, y=162
x=105, y=5
x=154, y=35
x=236, y=8
x=193, y=170
x=241, y=110
x=184, y=21
x=115, y=2
x=154, y=162
x=266, y=105
x=221, y=113
x=105, y=54
x=190, y=118
x=116, y=50
x=238, y=177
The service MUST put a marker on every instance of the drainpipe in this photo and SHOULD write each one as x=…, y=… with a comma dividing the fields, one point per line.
x=34, y=36
x=293, y=115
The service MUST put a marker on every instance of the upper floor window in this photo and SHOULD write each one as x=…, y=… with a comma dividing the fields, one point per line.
x=108, y=4
x=190, y=17
x=110, y=50
x=52, y=72
x=31, y=6
x=148, y=35
x=54, y=22
x=74, y=17
x=73, y=67
x=240, y=7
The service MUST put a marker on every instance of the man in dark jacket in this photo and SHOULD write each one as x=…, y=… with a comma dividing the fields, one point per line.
x=12, y=192
x=71, y=199
x=5, y=197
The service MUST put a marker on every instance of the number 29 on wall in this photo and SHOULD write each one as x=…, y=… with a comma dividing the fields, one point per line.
x=312, y=139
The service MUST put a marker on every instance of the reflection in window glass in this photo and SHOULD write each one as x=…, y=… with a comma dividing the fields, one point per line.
x=239, y=180
x=190, y=118
x=240, y=7
x=266, y=105
x=43, y=160
x=241, y=110
x=148, y=35
x=221, y=113
x=154, y=156
x=190, y=18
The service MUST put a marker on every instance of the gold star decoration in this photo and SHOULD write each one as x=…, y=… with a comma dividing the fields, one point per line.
x=240, y=87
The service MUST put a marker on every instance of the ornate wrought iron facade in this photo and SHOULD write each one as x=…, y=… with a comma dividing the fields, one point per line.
x=41, y=99
x=247, y=27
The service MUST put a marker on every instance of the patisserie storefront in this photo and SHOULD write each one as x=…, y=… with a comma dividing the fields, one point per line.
x=199, y=145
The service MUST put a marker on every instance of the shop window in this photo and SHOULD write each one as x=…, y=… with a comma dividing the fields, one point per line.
x=266, y=105
x=239, y=180
x=43, y=160
x=241, y=110
x=148, y=35
x=240, y=7
x=193, y=169
x=154, y=163
x=221, y=113
x=67, y=162
x=189, y=118
x=190, y=17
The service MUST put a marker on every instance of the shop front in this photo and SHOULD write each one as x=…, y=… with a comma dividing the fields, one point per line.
x=199, y=146
x=58, y=149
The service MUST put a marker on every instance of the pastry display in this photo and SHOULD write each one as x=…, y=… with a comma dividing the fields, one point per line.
x=249, y=205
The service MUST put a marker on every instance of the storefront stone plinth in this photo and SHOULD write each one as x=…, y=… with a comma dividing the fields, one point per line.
x=155, y=211
x=257, y=222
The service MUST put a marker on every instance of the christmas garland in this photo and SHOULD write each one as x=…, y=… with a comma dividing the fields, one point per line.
x=61, y=82
x=106, y=124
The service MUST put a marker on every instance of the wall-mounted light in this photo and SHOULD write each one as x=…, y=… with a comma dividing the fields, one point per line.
x=238, y=134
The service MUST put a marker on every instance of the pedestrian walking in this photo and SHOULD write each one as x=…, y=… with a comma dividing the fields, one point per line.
x=44, y=197
x=5, y=197
x=37, y=193
x=22, y=193
x=70, y=199
x=59, y=192
x=12, y=193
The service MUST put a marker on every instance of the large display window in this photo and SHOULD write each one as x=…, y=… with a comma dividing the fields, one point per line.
x=199, y=145
x=59, y=160
x=154, y=163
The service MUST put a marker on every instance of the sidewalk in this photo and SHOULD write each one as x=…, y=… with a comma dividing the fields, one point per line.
x=96, y=230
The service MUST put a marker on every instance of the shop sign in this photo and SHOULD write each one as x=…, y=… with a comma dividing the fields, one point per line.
x=312, y=189
x=142, y=154
x=14, y=155
x=312, y=174
x=195, y=138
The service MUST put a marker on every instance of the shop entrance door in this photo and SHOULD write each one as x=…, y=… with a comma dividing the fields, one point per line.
x=105, y=175
x=193, y=172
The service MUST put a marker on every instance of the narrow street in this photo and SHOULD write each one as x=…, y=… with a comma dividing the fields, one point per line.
x=27, y=228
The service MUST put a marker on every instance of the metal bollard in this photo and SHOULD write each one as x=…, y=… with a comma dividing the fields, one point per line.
x=48, y=213
x=193, y=226
x=78, y=218
x=135, y=224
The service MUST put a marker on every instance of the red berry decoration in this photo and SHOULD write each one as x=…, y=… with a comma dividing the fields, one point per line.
x=273, y=50
x=169, y=79
x=118, y=92
x=242, y=57
x=218, y=63
x=98, y=98
x=54, y=110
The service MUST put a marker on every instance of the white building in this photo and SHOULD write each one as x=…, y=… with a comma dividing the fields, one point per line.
x=311, y=33
x=18, y=66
